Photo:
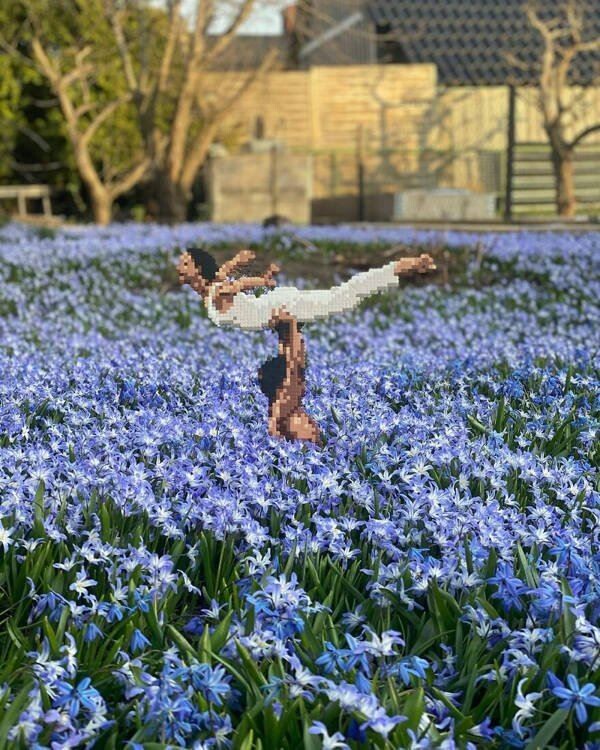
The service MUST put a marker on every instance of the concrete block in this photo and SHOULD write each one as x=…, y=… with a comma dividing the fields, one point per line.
x=252, y=186
x=443, y=204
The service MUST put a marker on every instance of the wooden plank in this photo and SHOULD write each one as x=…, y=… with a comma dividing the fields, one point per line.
x=543, y=158
x=549, y=185
x=550, y=201
x=28, y=191
x=544, y=171
x=544, y=145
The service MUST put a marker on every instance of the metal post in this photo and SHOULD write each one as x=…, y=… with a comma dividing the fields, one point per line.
x=360, y=173
x=274, y=181
x=510, y=153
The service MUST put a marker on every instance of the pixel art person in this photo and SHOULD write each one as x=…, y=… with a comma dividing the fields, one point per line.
x=284, y=309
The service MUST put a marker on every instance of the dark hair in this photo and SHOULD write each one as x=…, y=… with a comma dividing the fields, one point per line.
x=205, y=264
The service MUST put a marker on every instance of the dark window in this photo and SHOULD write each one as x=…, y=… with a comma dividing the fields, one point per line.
x=389, y=48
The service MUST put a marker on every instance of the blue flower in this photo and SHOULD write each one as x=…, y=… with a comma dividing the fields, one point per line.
x=333, y=741
x=410, y=666
x=138, y=641
x=212, y=682
x=92, y=631
x=381, y=723
x=575, y=697
x=74, y=697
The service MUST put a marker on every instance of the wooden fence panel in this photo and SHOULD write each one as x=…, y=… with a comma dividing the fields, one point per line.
x=533, y=182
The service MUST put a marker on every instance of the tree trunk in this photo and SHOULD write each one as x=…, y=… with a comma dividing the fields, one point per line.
x=172, y=199
x=565, y=186
x=564, y=178
x=100, y=197
x=101, y=207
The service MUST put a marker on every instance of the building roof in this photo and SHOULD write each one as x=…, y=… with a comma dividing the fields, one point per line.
x=468, y=39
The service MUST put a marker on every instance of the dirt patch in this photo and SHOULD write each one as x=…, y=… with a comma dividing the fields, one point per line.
x=327, y=265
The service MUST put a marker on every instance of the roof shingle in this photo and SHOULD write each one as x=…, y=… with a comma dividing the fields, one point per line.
x=468, y=39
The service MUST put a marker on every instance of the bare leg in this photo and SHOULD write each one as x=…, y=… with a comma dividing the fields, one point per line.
x=282, y=380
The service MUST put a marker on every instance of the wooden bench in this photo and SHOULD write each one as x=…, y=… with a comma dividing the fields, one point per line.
x=24, y=192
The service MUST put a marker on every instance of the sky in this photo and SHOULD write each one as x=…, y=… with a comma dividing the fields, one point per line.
x=265, y=19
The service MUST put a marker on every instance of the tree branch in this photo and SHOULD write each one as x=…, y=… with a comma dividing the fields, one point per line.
x=57, y=83
x=83, y=109
x=516, y=62
x=225, y=39
x=165, y=64
x=197, y=152
x=250, y=80
x=548, y=30
x=77, y=74
x=591, y=45
x=148, y=108
x=584, y=134
x=112, y=16
x=574, y=20
x=130, y=179
x=183, y=110
x=102, y=117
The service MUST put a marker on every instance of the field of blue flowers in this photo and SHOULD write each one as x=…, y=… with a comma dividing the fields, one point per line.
x=171, y=576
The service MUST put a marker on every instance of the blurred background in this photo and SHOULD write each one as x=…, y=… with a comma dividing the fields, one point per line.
x=311, y=111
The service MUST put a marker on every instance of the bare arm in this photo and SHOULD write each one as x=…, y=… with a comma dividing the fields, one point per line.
x=241, y=259
x=225, y=289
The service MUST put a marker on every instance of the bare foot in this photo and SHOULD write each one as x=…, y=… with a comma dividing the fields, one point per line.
x=423, y=264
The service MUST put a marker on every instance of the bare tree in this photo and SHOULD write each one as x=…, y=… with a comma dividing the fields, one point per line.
x=72, y=76
x=178, y=115
x=564, y=39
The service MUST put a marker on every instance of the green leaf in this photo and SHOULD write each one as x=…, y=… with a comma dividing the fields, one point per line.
x=50, y=635
x=414, y=707
x=476, y=424
x=62, y=624
x=246, y=743
x=38, y=529
x=541, y=741
x=151, y=617
x=221, y=633
x=310, y=741
x=10, y=717
x=16, y=635
x=254, y=673
x=445, y=608
x=205, y=651
x=528, y=569
x=500, y=418
x=181, y=641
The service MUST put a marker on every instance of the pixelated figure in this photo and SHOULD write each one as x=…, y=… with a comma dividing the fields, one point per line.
x=285, y=310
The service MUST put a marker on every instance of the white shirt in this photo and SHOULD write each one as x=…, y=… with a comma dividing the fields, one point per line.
x=254, y=313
